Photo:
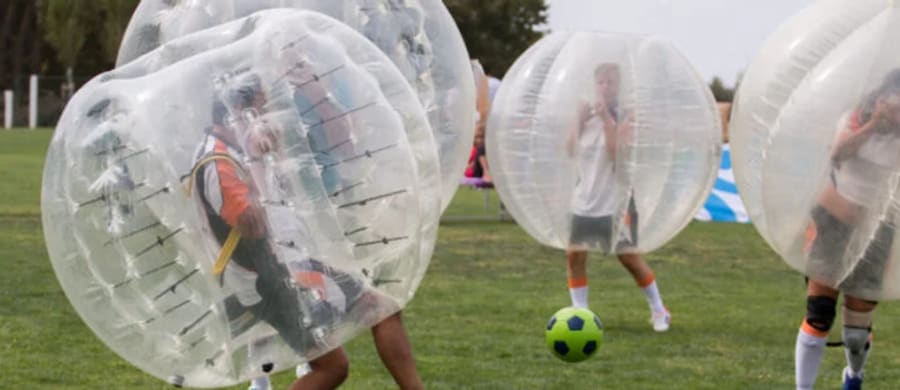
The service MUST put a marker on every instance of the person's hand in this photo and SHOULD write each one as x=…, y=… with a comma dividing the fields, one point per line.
x=880, y=115
x=601, y=109
x=262, y=139
x=626, y=130
x=252, y=222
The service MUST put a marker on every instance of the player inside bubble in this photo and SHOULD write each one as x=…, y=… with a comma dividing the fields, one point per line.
x=262, y=257
x=303, y=222
x=231, y=203
x=864, y=160
x=602, y=125
x=610, y=150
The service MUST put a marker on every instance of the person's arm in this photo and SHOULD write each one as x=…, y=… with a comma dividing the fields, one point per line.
x=616, y=132
x=582, y=115
x=850, y=141
x=610, y=136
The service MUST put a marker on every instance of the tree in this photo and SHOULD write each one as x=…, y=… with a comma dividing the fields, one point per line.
x=720, y=91
x=85, y=35
x=20, y=41
x=498, y=31
x=116, y=14
x=66, y=29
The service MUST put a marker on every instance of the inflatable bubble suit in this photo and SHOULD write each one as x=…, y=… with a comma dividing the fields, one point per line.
x=605, y=142
x=419, y=36
x=816, y=135
x=204, y=218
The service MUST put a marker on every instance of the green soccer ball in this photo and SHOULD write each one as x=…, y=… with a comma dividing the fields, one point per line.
x=574, y=334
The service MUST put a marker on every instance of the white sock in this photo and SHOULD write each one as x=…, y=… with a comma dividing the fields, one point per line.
x=579, y=296
x=651, y=292
x=807, y=356
x=261, y=382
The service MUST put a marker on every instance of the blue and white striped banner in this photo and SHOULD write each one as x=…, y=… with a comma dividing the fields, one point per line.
x=724, y=204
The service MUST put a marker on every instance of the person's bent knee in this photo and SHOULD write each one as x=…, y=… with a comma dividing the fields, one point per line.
x=334, y=364
x=820, y=312
x=340, y=370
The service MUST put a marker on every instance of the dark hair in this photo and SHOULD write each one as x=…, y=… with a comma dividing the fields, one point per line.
x=889, y=86
x=219, y=112
x=242, y=90
x=238, y=93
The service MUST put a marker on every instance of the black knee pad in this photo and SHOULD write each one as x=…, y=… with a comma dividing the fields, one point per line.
x=820, y=312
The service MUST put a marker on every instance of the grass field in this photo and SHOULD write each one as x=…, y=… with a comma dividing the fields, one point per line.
x=478, y=319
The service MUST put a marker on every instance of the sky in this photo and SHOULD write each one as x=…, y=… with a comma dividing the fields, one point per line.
x=721, y=37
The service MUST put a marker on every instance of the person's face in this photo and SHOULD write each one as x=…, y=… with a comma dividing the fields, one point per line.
x=606, y=84
x=249, y=127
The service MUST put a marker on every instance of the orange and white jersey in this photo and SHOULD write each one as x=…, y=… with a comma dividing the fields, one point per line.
x=220, y=186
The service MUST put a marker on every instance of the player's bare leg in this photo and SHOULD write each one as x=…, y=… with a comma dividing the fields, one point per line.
x=395, y=352
x=327, y=372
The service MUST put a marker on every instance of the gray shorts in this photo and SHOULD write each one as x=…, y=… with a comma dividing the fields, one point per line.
x=597, y=232
x=828, y=239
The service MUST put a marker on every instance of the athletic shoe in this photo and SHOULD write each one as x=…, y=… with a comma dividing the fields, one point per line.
x=852, y=382
x=661, y=320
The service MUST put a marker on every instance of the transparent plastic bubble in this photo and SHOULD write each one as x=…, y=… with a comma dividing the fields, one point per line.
x=816, y=144
x=253, y=199
x=605, y=142
x=419, y=36
x=421, y=140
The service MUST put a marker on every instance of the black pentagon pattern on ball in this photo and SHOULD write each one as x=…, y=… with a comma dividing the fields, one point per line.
x=552, y=322
x=561, y=348
x=597, y=321
x=575, y=323
x=589, y=348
